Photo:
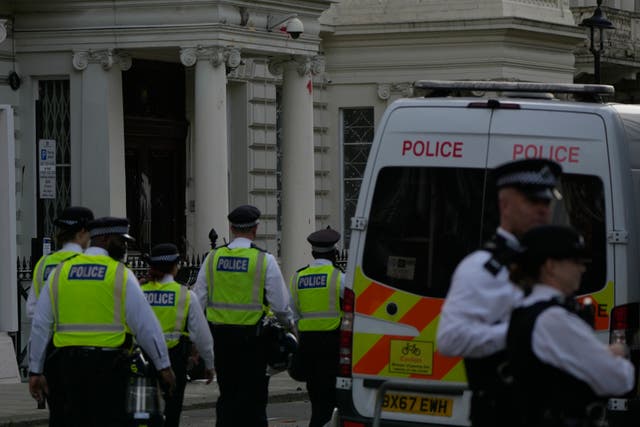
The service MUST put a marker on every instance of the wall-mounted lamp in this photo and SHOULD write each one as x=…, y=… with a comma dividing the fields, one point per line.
x=293, y=26
x=601, y=23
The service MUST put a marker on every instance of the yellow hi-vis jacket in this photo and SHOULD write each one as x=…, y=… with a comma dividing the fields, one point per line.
x=170, y=302
x=88, y=302
x=235, y=282
x=46, y=265
x=316, y=294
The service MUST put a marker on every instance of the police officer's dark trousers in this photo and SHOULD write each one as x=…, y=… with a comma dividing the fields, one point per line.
x=54, y=398
x=318, y=353
x=173, y=404
x=93, y=385
x=241, y=366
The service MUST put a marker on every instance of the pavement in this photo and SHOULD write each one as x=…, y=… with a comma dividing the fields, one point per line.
x=17, y=407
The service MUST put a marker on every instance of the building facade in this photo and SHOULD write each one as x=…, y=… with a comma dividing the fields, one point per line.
x=173, y=112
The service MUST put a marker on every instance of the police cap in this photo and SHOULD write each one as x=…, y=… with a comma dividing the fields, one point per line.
x=109, y=225
x=552, y=241
x=74, y=217
x=535, y=178
x=245, y=216
x=164, y=253
x=323, y=240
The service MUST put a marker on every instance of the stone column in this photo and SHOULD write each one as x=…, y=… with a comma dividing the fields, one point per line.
x=298, y=165
x=102, y=175
x=211, y=158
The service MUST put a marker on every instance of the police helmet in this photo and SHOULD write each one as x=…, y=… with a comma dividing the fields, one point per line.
x=281, y=346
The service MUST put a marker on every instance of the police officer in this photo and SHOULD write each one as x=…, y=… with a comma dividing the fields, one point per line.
x=316, y=291
x=473, y=321
x=236, y=282
x=182, y=320
x=562, y=372
x=91, y=304
x=72, y=238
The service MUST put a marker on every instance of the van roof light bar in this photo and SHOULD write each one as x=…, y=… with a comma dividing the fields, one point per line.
x=478, y=85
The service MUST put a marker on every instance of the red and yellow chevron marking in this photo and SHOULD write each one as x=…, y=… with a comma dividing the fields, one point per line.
x=603, y=302
x=372, y=352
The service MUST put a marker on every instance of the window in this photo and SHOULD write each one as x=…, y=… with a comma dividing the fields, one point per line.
x=423, y=221
x=357, y=135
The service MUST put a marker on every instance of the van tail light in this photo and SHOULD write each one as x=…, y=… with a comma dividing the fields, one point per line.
x=346, y=334
x=352, y=424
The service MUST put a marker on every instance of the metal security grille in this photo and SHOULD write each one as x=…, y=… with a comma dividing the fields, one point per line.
x=357, y=135
x=53, y=122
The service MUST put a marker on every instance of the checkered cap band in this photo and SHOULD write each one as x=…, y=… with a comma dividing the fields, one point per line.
x=100, y=231
x=68, y=221
x=246, y=224
x=164, y=258
x=540, y=179
x=322, y=249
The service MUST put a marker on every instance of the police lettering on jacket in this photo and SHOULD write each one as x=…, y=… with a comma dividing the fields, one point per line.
x=233, y=264
x=87, y=272
x=312, y=281
x=160, y=298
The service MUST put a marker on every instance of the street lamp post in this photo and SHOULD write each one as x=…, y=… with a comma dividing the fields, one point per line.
x=599, y=22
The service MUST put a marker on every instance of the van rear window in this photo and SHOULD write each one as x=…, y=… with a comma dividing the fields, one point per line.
x=423, y=221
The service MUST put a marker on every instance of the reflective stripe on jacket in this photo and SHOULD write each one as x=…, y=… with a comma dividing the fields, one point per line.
x=88, y=301
x=316, y=294
x=235, y=281
x=170, y=302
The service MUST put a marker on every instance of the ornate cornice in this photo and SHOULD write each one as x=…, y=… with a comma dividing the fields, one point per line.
x=385, y=90
x=106, y=57
x=304, y=65
x=229, y=56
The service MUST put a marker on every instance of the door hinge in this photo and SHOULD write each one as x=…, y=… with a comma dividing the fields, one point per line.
x=618, y=237
x=358, y=223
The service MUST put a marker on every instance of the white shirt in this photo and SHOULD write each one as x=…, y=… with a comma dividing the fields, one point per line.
x=316, y=263
x=138, y=315
x=475, y=315
x=31, y=299
x=197, y=326
x=275, y=289
x=564, y=341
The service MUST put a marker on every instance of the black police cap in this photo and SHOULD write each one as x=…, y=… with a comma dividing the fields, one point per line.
x=552, y=241
x=109, y=225
x=536, y=178
x=74, y=217
x=164, y=253
x=323, y=240
x=244, y=216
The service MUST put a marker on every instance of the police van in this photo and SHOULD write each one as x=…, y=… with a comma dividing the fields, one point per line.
x=427, y=200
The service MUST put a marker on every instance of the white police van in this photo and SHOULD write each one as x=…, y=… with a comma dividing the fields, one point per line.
x=427, y=200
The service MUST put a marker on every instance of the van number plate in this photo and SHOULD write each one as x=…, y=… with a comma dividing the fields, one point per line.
x=417, y=404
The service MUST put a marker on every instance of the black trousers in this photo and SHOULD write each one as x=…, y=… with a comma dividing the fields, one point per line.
x=92, y=387
x=55, y=400
x=241, y=367
x=318, y=355
x=173, y=404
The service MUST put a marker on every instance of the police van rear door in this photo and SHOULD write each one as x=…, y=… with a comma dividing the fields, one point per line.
x=424, y=197
x=574, y=135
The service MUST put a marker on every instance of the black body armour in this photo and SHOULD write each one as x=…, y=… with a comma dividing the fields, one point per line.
x=546, y=396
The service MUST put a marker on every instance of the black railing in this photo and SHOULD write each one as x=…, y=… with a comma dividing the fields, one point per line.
x=187, y=275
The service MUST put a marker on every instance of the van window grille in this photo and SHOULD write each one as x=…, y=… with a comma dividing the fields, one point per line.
x=357, y=135
x=423, y=221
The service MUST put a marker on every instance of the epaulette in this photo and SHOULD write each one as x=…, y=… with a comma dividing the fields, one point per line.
x=302, y=268
x=254, y=246
x=502, y=253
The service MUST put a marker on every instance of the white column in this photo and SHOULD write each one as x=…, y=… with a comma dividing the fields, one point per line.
x=103, y=184
x=298, y=165
x=211, y=158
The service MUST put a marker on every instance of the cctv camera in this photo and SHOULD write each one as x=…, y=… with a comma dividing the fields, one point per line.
x=295, y=28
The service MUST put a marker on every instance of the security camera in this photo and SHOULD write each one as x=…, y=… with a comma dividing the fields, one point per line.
x=294, y=28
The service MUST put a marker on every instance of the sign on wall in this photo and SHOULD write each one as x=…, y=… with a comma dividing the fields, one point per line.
x=47, y=168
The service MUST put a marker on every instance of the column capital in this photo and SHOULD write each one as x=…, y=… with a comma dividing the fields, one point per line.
x=304, y=64
x=229, y=56
x=3, y=30
x=105, y=57
x=385, y=90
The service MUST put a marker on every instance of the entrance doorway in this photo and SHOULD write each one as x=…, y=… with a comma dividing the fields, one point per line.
x=155, y=131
